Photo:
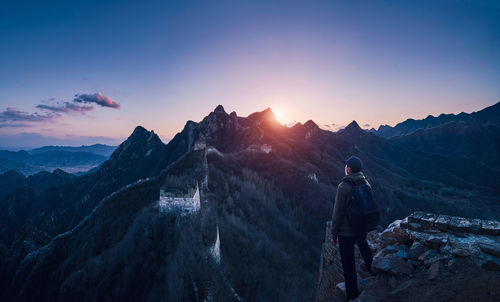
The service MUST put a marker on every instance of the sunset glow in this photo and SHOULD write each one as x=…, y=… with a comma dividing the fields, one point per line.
x=279, y=117
x=330, y=61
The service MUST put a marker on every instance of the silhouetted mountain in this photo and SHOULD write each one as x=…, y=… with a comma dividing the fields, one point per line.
x=61, y=208
x=488, y=116
x=132, y=230
x=99, y=149
x=12, y=179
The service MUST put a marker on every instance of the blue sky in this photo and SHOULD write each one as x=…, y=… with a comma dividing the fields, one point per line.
x=166, y=62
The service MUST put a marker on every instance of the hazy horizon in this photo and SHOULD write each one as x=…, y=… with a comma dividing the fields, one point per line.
x=87, y=141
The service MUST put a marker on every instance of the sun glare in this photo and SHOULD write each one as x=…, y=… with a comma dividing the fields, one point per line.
x=279, y=116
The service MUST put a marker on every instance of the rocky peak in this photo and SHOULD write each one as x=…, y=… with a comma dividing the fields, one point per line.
x=412, y=254
x=310, y=124
x=139, y=131
x=258, y=118
x=220, y=109
x=353, y=126
x=139, y=144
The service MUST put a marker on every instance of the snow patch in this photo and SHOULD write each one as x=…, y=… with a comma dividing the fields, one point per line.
x=215, y=249
x=266, y=148
x=214, y=151
x=313, y=177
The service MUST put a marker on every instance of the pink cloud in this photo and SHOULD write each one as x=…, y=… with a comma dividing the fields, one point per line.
x=97, y=98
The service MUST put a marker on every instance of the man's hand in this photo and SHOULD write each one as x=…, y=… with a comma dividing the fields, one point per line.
x=334, y=241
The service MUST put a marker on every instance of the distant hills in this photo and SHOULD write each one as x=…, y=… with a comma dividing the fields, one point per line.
x=99, y=149
x=487, y=116
x=266, y=189
x=48, y=158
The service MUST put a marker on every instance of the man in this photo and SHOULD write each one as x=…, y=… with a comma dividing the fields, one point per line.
x=344, y=232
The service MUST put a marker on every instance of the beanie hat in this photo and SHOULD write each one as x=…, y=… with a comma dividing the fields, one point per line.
x=354, y=163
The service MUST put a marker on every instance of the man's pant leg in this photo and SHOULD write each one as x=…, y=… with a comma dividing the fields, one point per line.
x=346, y=247
x=365, y=251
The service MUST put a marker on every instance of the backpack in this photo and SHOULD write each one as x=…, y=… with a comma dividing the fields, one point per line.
x=362, y=212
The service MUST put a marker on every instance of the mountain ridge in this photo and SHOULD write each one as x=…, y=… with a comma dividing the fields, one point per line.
x=266, y=187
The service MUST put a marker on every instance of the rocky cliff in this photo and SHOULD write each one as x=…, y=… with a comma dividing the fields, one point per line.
x=424, y=257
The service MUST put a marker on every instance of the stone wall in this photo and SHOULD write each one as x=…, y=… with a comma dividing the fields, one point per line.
x=422, y=244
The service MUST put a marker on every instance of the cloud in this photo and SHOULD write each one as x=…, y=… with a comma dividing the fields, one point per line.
x=66, y=107
x=12, y=117
x=8, y=125
x=366, y=125
x=12, y=114
x=97, y=98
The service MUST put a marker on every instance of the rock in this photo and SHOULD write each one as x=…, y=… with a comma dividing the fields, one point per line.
x=463, y=225
x=431, y=261
x=442, y=222
x=427, y=254
x=435, y=241
x=402, y=253
x=390, y=249
x=416, y=250
x=415, y=226
x=459, y=252
x=490, y=227
x=427, y=220
x=392, y=265
x=491, y=249
x=491, y=263
x=405, y=224
x=394, y=233
x=476, y=226
x=414, y=263
x=393, y=282
x=434, y=270
x=452, y=262
x=418, y=236
x=415, y=216
x=340, y=291
x=366, y=297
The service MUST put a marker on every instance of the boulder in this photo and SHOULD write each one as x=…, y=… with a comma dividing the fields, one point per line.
x=464, y=225
x=416, y=250
x=437, y=258
x=434, y=270
x=427, y=220
x=490, y=227
x=435, y=241
x=442, y=222
x=403, y=254
x=395, y=234
x=415, y=216
x=392, y=265
x=492, y=249
x=426, y=255
x=491, y=263
x=459, y=252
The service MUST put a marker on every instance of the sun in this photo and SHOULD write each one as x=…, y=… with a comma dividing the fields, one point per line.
x=279, y=116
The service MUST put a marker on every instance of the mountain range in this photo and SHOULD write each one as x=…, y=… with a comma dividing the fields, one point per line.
x=487, y=116
x=48, y=158
x=265, y=191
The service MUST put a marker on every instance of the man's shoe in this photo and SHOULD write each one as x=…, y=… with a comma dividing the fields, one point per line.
x=365, y=270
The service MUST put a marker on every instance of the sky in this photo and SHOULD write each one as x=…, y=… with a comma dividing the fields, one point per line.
x=83, y=72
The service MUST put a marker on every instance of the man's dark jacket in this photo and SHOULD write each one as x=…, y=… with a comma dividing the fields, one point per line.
x=340, y=223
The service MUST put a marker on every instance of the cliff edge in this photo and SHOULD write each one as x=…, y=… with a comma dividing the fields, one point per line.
x=424, y=257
